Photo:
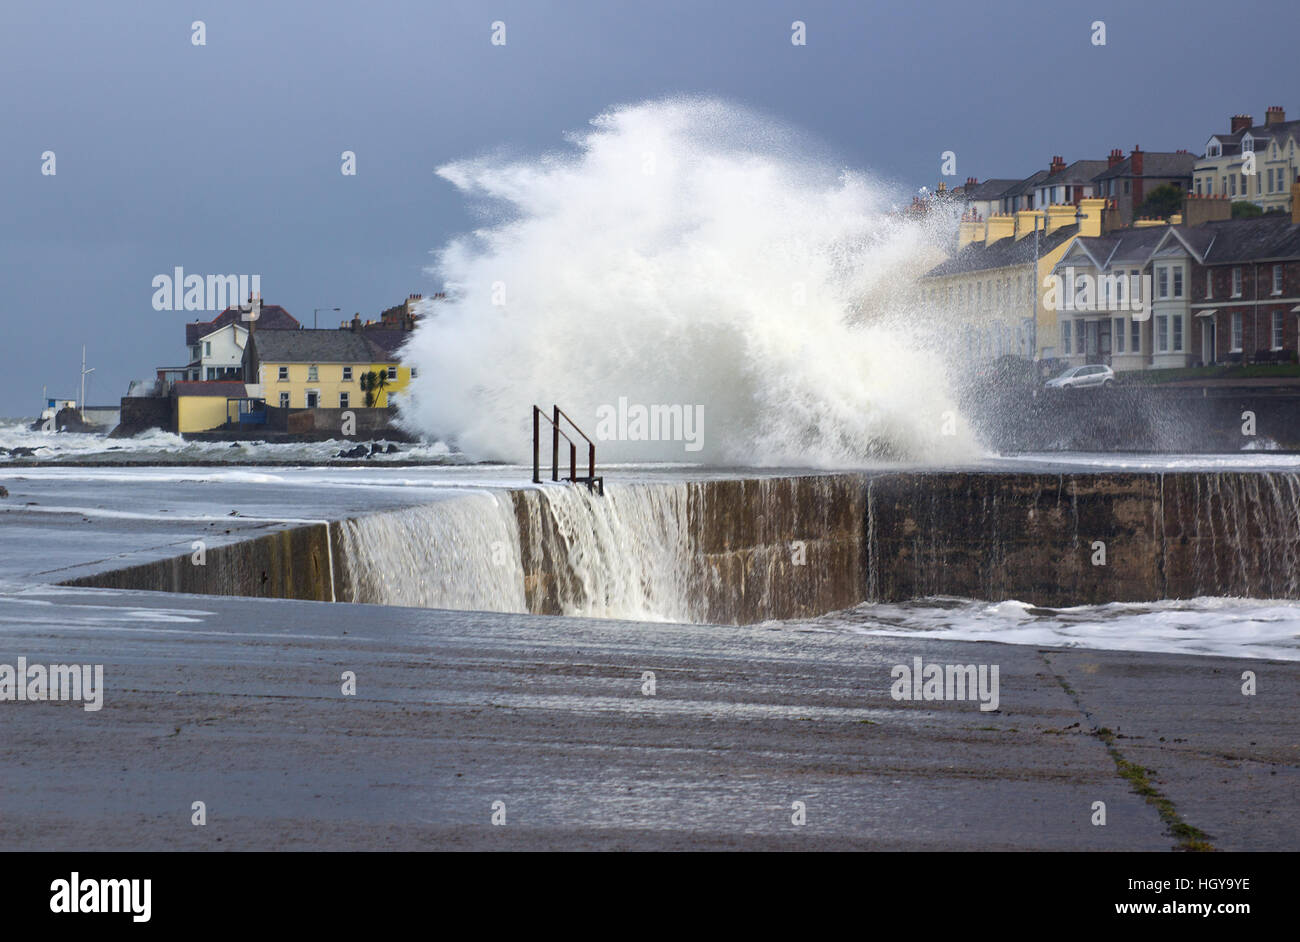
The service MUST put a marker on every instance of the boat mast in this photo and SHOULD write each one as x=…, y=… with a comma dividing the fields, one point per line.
x=84, y=371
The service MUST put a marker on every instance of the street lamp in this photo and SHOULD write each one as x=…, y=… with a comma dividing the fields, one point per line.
x=316, y=310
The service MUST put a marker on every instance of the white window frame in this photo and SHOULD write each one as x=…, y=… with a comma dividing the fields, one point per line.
x=343, y=400
x=1279, y=328
x=313, y=373
x=1178, y=281
x=1162, y=282
x=1177, y=334
x=1237, y=332
x=284, y=399
x=347, y=374
x=1162, y=333
x=392, y=373
x=1277, y=278
x=306, y=398
x=282, y=374
x=1119, y=338
x=1236, y=282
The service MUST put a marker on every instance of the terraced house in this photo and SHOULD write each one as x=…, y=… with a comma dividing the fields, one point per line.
x=1223, y=169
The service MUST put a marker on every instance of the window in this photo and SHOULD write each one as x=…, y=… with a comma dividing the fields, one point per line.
x=1233, y=184
x=1126, y=183
x=313, y=373
x=284, y=400
x=313, y=398
x=1065, y=337
x=343, y=400
x=207, y=348
x=1079, y=331
x=1178, y=332
x=1247, y=145
x=1119, y=335
x=1198, y=186
x=1162, y=280
x=1135, y=336
x=1178, y=281
x=1209, y=285
x=1277, y=329
x=1236, y=282
x=1212, y=151
x=1209, y=186
x=347, y=374
x=1236, y=330
x=414, y=372
x=392, y=373
x=1277, y=279
x=1162, y=334
x=283, y=375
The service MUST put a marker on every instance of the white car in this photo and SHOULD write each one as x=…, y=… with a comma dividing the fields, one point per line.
x=1077, y=377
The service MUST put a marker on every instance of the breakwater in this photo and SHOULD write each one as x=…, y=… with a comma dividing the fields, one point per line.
x=746, y=550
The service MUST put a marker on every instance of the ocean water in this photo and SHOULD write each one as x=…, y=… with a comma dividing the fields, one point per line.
x=1220, y=627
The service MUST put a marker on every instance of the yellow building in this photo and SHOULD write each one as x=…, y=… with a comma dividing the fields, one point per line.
x=201, y=406
x=993, y=289
x=321, y=369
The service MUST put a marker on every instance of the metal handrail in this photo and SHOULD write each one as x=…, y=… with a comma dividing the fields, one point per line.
x=556, y=431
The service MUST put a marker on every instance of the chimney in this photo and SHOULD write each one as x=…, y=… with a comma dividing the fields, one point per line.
x=970, y=184
x=1058, y=164
x=1274, y=115
x=1116, y=157
x=1295, y=202
x=356, y=321
x=1241, y=122
x=1202, y=209
x=1137, y=160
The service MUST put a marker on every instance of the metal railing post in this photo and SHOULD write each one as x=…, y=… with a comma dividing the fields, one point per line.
x=555, y=445
x=537, y=471
x=573, y=463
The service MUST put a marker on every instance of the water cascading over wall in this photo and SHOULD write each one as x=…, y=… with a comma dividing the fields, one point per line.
x=746, y=550
x=701, y=551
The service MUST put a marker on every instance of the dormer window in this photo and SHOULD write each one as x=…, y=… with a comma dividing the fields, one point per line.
x=1213, y=149
x=1247, y=145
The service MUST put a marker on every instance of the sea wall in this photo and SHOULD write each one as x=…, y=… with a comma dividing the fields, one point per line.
x=747, y=550
x=292, y=563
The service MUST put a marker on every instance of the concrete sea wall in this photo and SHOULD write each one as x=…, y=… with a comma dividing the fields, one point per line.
x=749, y=550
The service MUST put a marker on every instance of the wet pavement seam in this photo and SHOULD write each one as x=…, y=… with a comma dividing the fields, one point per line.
x=1189, y=837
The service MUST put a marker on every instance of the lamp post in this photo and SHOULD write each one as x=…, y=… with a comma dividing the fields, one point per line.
x=317, y=310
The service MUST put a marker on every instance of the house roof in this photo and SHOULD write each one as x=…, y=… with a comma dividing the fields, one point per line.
x=223, y=388
x=1154, y=164
x=1121, y=246
x=1231, y=143
x=989, y=189
x=319, y=346
x=1000, y=254
x=1270, y=236
x=387, y=340
x=273, y=317
x=1027, y=184
x=1081, y=171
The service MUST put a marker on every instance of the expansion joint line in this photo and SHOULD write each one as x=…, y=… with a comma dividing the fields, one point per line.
x=1139, y=779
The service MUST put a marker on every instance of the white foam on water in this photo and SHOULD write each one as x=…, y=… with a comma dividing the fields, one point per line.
x=1225, y=627
x=686, y=252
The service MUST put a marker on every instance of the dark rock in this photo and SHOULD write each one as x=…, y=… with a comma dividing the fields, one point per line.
x=392, y=449
x=360, y=451
x=3, y=491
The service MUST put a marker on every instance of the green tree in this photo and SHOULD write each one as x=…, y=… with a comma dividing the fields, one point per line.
x=1243, y=210
x=1161, y=203
x=381, y=383
x=367, y=387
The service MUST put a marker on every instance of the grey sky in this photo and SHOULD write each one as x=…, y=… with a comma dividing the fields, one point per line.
x=225, y=158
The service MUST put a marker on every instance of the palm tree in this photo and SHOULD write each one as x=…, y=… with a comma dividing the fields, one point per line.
x=367, y=387
x=381, y=381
